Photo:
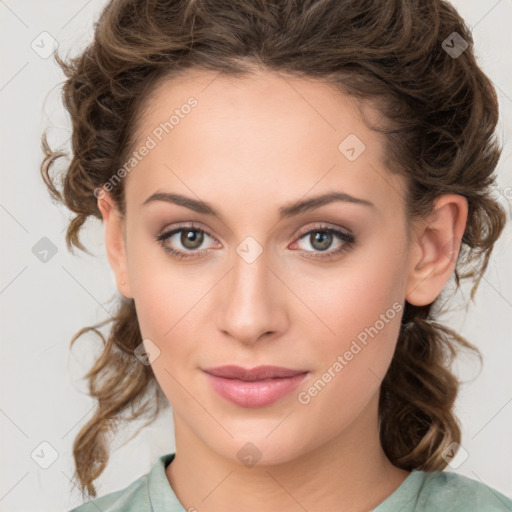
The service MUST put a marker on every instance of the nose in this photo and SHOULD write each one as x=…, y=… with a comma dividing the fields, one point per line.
x=250, y=302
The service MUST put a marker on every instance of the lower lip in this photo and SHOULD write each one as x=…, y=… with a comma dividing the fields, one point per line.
x=256, y=393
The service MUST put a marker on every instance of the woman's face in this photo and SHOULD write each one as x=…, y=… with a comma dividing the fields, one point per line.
x=263, y=281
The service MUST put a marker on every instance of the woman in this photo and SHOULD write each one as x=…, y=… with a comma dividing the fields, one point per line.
x=286, y=188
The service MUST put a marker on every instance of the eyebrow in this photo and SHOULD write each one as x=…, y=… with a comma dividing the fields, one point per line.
x=288, y=210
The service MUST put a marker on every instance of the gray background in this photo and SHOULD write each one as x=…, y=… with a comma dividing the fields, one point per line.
x=43, y=304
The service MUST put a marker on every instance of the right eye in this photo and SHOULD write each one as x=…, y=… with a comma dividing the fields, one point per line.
x=184, y=241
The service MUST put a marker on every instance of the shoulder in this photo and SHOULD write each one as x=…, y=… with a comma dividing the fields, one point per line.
x=145, y=494
x=443, y=491
x=133, y=498
x=454, y=492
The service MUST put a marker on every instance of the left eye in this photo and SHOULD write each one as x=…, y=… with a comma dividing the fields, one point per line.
x=321, y=238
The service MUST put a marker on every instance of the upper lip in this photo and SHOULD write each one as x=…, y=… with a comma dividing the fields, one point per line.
x=252, y=374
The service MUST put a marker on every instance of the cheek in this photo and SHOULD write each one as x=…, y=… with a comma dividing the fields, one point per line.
x=164, y=292
x=167, y=315
x=360, y=308
x=351, y=365
x=355, y=298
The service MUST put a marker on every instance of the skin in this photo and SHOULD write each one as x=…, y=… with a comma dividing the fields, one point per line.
x=250, y=147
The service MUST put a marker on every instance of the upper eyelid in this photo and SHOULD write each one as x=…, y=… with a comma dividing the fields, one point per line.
x=299, y=234
x=172, y=231
x=323, y=227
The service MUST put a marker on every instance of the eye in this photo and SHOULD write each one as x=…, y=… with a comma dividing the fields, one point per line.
x=321, y=238
x=184, y=241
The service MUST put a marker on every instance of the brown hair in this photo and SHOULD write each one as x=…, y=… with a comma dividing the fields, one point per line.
x=439, y=112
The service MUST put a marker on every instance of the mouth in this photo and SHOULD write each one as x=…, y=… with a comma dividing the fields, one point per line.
x=255, y=387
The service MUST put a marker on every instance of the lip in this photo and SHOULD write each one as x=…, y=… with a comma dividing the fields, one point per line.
x=255, y=387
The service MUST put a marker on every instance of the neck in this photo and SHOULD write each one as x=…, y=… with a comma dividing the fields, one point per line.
x=349, y=473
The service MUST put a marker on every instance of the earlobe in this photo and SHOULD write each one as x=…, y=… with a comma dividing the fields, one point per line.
x=114, y=242
x=435, y=249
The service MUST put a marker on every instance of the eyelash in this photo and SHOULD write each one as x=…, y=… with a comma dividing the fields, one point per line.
x=348, y=241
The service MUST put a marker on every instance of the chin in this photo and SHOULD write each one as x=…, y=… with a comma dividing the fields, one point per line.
x=259, y=446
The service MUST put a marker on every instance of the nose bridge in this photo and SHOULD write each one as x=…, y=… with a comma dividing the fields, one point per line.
x=249, y=305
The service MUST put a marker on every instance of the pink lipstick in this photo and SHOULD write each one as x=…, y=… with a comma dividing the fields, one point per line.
x=255, y=387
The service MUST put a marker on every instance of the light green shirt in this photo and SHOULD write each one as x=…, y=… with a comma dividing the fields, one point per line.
x=419, y=492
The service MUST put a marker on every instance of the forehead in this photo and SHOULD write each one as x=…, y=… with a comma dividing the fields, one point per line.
x=264, y=131
x=231, y=102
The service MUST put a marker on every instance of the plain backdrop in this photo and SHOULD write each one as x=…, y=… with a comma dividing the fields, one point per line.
x=43, y=400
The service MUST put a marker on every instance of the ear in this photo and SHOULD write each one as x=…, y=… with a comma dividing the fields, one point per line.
x=435, y=247
x=115, y=241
